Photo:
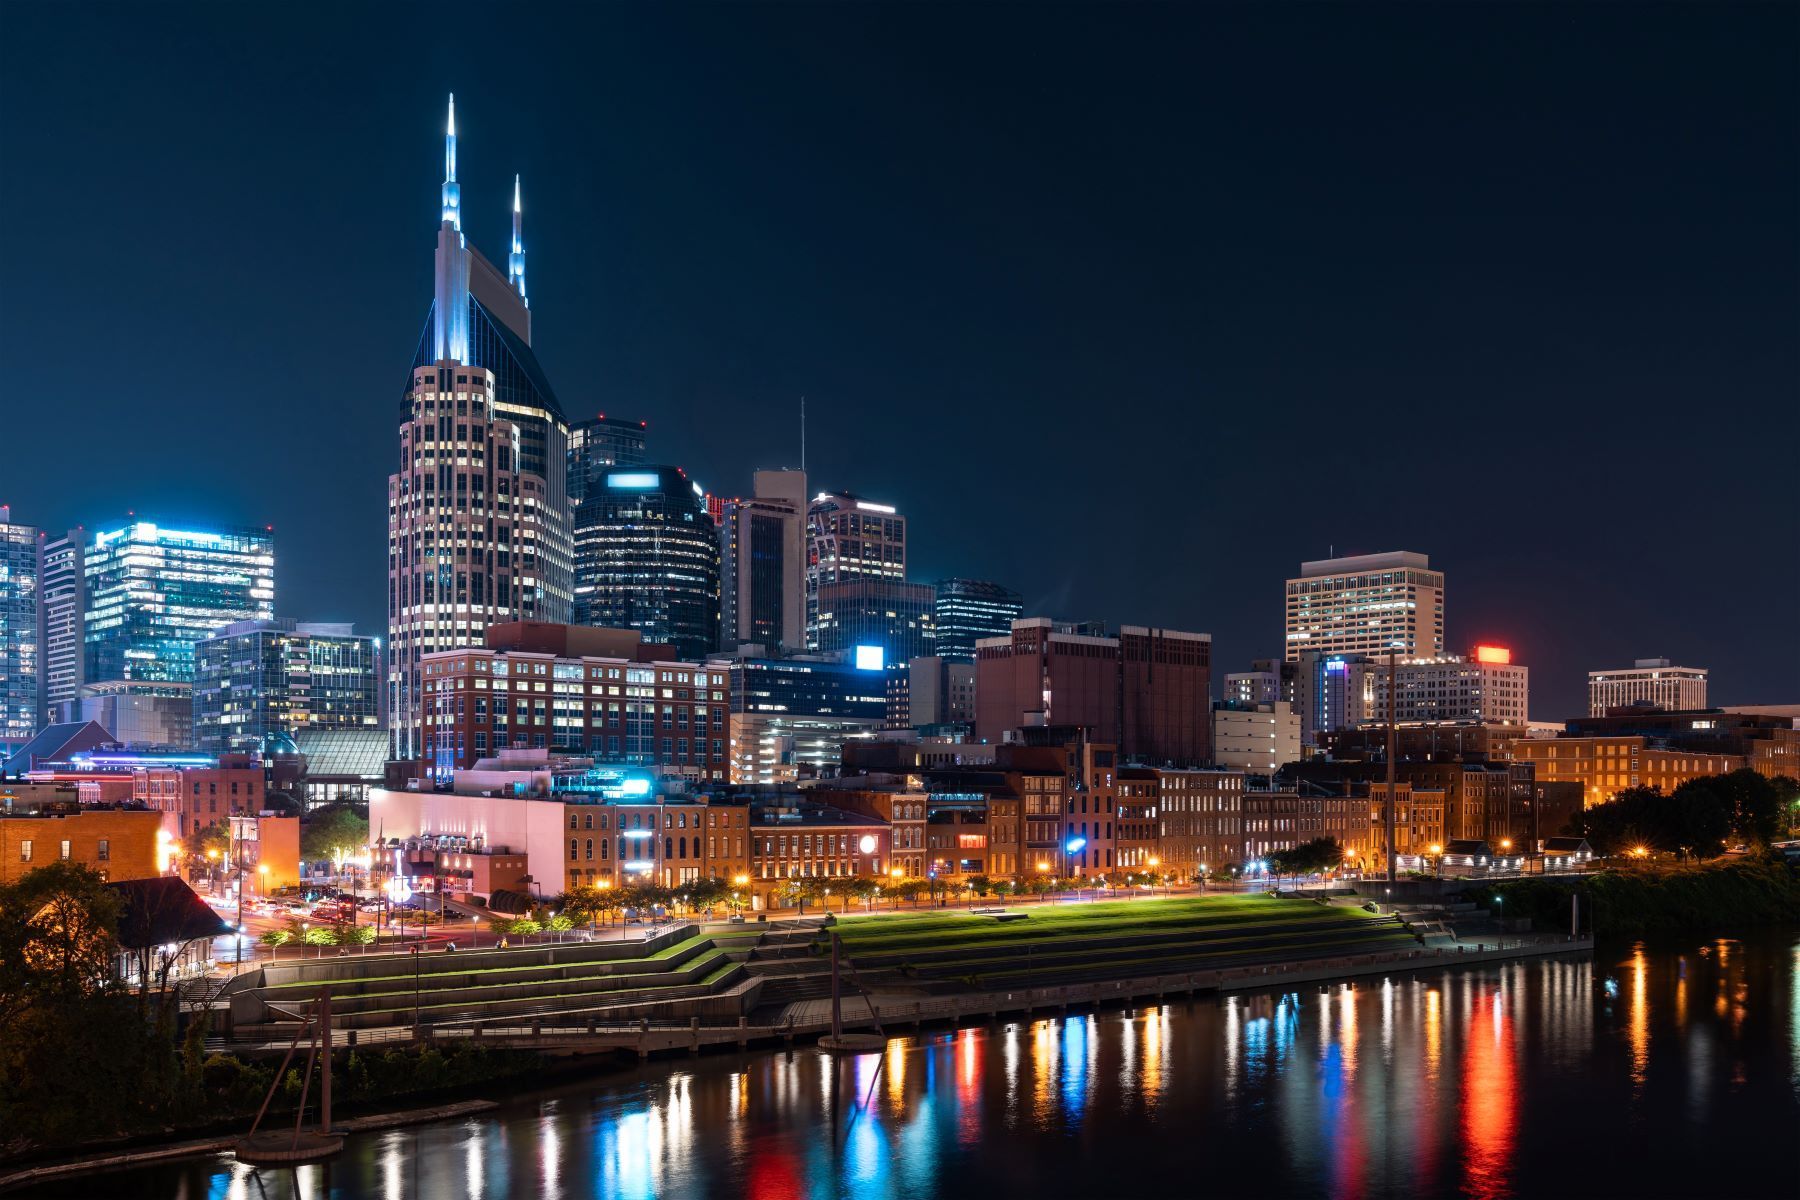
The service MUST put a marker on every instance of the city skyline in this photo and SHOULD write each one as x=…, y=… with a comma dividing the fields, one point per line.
x=889, y=418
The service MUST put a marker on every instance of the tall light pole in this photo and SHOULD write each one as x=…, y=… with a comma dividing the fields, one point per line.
x=1392, y=858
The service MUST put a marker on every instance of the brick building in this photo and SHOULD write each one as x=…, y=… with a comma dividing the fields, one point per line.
x=600, y=692
x=1145, y=692
x=118, y=843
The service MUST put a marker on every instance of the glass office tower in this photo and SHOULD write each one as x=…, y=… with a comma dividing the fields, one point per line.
x=968, y=610
x=647, y=558
x=152, y=593
x=19, y=661
x=258, y=678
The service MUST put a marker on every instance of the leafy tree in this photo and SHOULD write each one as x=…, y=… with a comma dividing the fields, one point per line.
x=1690, y=822
x=560, y=924
x=1316, y=855
x=320, y=935
x=1753, y=802
x=334, y=827
x=982, y=884
x=525, y=927
x=361, y=935
x=58, y=935
x=862, y=887
x=705, y=893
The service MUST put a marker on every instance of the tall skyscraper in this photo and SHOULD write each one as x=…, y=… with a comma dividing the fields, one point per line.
x=62, y=612
x=598, y=443
x=647, y=558
x=19, y=660
x=152, y=593
x=969, y=610
x=858, y=615
x=257, y=678
x=478, y=517
x=1366, y=604
x=762, y=565
x=849, y=538
x=1649, y=681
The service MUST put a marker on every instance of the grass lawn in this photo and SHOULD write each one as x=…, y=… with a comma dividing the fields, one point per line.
x=1214, y=916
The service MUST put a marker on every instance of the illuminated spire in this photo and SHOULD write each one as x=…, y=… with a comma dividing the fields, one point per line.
x=515, y=262
x=452, y=192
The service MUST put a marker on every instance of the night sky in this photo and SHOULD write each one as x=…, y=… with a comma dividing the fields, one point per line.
x=1132, y=308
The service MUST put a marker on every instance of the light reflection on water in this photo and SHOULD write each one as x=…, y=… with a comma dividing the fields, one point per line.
x=1489, y=1083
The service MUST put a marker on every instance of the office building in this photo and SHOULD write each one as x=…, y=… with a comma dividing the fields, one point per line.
x=930, y=693
x=1257, y=739
x=256, y=678
x=1147, y=691
x=762, y=565
x=478, y=517
x=1366, y=604
x=1768, y=743
x=599, y=443
x=850, y=538
x=647, y=558
x=791, y=717
x=967, y=610
x=1647, y=682
x=602, y=693
x=153, y=593
x=62, y=611
x=865, y=618
x=1606, y=764
x=20, y=663
x=1483, y=686
x=145, y=715
x=1267, y=681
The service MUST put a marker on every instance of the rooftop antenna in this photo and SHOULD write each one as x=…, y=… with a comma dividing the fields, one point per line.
x=803, y=435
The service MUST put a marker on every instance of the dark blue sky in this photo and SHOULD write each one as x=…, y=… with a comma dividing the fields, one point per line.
x=1131, y=307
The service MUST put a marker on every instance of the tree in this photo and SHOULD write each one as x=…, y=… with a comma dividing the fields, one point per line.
x=1752, y=801
x=275, y=939
x=1316, y=855
x=705, y=893
x=361, y=935
x=334, y=827
x=58, y=936
x=559, y=924
x=981, y=883
x=1690, y=822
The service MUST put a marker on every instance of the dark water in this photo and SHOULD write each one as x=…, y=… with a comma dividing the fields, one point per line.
x=1645, y=1072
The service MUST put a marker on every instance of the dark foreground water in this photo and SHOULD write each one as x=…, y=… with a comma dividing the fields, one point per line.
x=1649, y=1071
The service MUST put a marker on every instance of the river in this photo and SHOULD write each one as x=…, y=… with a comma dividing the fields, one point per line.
x=1647, y=1071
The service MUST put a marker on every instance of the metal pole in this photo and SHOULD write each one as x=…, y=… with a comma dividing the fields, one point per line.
x=325, y=1062
x=837, y=1017
x=415, y=954
x=1392, y=858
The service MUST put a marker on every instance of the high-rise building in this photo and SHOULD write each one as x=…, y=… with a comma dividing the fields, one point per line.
x=968, y=610
x=20, y=664
x=598, y=443
x=62, y=611
x=856, y=616
x=1483, y=686
x=1258, y=739
x=1648, y=681
x=849, y=538
x=791, y=717
x=1366, y=604
x=935, y=691
x=1148, y=691
x=647, y=558
x=478, y=518
x=152, y=593
x=762, y=565
x=254, y=679
x=1342, y=691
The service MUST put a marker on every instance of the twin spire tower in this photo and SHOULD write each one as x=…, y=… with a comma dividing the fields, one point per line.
x=479, y=522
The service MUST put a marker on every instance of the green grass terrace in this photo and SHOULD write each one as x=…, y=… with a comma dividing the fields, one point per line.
x=949, y=950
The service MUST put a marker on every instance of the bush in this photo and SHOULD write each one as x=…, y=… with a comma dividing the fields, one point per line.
x=1749, y=891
